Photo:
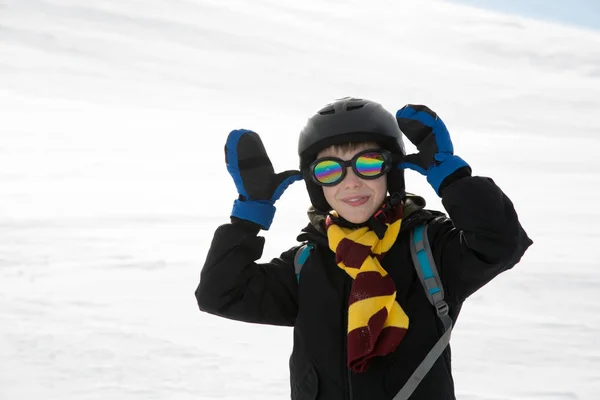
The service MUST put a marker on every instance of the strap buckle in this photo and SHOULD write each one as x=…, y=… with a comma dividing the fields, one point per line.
x=442, y=308
x=380, y=216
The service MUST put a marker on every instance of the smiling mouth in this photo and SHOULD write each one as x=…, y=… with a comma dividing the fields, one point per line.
x=356, y=201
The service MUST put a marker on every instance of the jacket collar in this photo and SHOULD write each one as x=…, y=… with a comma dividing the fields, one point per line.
x=414, y=214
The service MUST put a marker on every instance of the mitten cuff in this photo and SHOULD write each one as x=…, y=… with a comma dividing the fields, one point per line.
x=259, y=212
x=437, y=174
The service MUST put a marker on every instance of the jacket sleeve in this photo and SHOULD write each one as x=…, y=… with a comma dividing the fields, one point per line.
x=234, y=286
x=481, y=239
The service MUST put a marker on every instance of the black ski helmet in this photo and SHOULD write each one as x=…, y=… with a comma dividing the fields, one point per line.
x=349, y=120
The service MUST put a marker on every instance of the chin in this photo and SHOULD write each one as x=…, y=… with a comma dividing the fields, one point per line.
x=356, y=217
x=357, y=220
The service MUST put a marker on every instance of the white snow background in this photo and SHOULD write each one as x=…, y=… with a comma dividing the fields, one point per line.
x=113, y=117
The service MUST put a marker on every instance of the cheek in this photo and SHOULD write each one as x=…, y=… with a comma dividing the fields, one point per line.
x=383, y=183
x=379, y=187
x=329, y=192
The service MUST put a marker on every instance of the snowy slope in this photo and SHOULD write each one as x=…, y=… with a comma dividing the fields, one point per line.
x=113, y=117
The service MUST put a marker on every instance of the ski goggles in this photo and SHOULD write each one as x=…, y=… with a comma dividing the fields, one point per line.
x=367, y=164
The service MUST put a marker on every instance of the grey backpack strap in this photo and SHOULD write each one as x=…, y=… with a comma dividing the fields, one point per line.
x=430, y=279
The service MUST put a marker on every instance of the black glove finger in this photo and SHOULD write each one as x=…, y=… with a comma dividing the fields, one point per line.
x=415, y=130
x=252, y=154
x=282, y=180
x=418, y=160
x=282, y=176
x=255, y=166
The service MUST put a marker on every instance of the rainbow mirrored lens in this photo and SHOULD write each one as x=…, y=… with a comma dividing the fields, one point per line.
x=328, y=171
x=369, y=164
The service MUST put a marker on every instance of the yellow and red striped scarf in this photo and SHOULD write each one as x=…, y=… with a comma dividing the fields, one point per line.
x=376, y=322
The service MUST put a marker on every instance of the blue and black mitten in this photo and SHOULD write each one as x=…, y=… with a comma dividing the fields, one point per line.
x=436, y=159
x=258, y=186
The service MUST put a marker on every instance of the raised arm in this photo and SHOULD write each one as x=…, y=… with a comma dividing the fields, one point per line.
x=232, y=284
x=483, y=236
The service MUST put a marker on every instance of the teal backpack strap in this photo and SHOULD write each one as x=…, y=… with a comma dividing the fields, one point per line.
x=301, y=257
x=422, y=256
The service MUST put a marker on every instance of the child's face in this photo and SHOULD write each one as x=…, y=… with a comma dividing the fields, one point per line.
x=354, y=198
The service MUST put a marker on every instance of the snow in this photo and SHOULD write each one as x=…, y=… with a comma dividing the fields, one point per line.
x=113, y=119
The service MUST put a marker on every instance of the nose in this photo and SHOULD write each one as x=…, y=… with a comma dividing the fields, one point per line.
x=351, y=180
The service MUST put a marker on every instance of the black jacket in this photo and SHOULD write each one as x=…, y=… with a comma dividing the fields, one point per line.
x=481, y=239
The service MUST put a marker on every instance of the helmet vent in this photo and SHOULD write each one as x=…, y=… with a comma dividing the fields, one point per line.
x=327, y=110
x=356, y=107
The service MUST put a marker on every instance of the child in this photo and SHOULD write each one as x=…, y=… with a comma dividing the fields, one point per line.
x=362, y=320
